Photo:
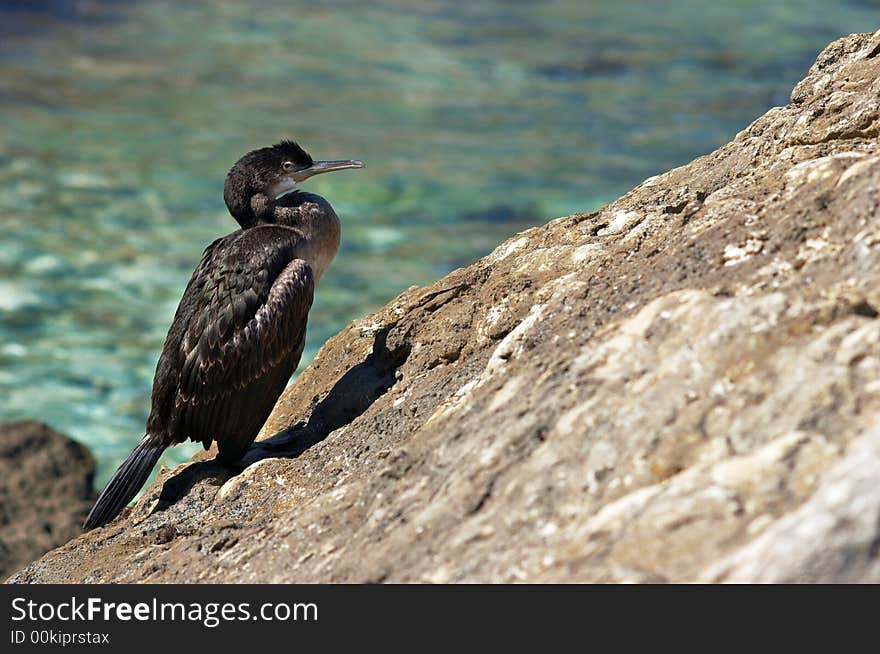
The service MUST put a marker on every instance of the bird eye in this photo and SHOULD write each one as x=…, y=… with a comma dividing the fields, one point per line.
x=287, y=165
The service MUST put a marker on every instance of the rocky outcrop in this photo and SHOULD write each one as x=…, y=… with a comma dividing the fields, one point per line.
x=682, y=386
x=45, y=491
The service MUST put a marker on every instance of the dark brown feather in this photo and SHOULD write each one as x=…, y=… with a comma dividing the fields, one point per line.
x=235, y=341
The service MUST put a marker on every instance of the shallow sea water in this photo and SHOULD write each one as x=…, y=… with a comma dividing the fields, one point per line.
x=475, y=120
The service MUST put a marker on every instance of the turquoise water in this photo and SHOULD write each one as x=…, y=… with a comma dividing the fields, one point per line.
x=476, y=120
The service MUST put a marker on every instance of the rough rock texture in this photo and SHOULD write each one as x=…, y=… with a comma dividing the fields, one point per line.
x=682, y=386
x=45, y=491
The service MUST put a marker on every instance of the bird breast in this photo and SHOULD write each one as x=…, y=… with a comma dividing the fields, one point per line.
x=319, y=225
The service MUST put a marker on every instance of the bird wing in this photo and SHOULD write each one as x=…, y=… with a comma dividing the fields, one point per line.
x=236, y=339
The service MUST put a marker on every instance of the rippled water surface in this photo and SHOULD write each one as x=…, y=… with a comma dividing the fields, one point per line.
x=476, y=120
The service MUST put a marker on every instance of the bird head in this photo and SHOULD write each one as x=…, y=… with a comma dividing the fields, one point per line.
x=262, y=175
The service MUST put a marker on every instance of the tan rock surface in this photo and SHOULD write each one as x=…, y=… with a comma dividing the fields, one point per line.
x=45, y=491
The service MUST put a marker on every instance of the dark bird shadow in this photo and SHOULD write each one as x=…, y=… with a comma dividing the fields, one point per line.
x=350, y=397
x=181, y=484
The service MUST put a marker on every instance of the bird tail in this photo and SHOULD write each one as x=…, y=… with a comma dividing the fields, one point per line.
x=126, y=482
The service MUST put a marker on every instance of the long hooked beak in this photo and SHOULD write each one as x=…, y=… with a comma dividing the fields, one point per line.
x=319, y=167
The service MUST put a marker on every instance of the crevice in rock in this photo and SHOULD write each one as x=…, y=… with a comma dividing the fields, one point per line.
x=865, y=309
x=869, y=132
x=481, y=501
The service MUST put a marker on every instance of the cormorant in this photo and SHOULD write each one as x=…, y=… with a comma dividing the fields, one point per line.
x=239, y=330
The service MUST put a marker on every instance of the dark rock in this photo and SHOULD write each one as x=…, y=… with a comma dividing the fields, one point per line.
x=682, y=386
x=45, y=491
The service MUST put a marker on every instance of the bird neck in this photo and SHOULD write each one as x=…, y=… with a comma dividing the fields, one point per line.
x=317, y=222
x=248, y=206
